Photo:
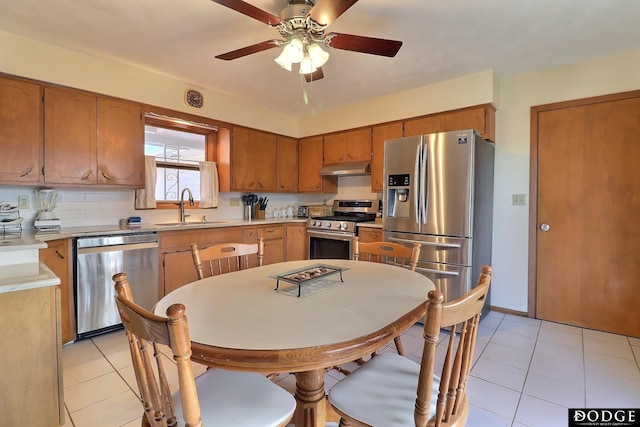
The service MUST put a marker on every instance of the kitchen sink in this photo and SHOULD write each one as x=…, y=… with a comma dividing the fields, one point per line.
x=189, y=223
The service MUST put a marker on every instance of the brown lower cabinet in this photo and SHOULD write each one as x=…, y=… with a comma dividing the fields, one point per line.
x=369, y=234
x=31, y=358
x=273, y=237
x=297, y=242
x=175, y=256
x=176, y=262
x=57, y=256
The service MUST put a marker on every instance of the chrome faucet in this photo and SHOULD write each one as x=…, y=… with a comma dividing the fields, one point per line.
x=181, y=204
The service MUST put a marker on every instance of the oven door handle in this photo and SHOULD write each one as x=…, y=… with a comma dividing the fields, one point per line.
x=345, y=237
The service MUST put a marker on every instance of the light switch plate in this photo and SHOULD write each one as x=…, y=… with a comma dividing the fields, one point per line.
x=235, y=201
x=23, y=202
x=519, y=199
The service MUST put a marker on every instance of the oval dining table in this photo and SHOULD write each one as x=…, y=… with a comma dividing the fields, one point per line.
x=239, y=321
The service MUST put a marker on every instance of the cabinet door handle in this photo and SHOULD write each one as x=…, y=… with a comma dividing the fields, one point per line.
x=87, y=176
x=26, y=172
x=105, y=176
x=59, y=255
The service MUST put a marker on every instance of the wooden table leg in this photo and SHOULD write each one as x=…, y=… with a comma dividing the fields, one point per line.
x=310, y=396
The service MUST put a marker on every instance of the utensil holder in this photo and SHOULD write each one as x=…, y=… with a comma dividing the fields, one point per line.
x=260, y=214
x=248, y=213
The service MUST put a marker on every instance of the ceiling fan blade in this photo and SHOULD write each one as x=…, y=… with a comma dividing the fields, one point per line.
x=250, y=10
x=363, y=44
x=248, y=50
x=327, y=11
x=316, y=75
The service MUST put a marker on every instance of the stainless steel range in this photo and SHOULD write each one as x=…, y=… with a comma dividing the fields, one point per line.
x=331, y=237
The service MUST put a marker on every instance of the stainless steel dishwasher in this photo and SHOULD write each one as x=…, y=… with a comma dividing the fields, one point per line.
x=97, y=259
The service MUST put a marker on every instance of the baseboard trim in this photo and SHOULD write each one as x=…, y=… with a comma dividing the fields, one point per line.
x=509, y=311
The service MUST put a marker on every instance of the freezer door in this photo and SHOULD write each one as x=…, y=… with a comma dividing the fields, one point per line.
x=449, y=183
x=401, y=192
x=438, y=249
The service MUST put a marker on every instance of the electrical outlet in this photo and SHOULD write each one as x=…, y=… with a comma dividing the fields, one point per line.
x=519, y=199
x=23, y=202
x=235, y=201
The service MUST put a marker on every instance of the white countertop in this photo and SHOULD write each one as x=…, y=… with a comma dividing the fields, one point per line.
x=20, y=268
x=30, y=275
x=67, y=232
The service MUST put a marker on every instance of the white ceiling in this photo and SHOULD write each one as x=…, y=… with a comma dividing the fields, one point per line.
x=443, y=39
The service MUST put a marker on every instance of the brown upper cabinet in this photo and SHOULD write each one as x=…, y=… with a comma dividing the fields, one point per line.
x=92, y=140
x=310, y=152
x=348, y=146
x=481, y=118
x=21, y=132
x=253, y=160
x=287, y=164
x=380, y=134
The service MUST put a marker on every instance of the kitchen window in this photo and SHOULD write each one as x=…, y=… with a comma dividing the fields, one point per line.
x=177, y=155
x=178, y=146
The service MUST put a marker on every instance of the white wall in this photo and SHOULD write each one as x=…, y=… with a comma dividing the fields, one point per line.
x=514, y=97
x=614, y=74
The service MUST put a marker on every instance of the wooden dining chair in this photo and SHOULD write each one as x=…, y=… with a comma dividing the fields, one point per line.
x=216, y=398
x=226, y=257
x=389, y=253
x=394, y=390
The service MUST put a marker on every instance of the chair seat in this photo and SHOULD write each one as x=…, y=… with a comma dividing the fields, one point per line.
x=240, y=399
x=382, y=392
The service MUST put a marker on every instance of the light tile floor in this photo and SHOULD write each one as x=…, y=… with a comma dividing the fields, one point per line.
x=526, y=372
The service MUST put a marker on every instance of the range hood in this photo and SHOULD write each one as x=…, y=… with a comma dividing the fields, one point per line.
x=347, y=169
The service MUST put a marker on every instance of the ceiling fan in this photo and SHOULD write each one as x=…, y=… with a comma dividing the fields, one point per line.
x=302, y=25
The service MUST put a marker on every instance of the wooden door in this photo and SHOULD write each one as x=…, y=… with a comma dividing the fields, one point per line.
x=380, y=134
x=369, y=234
x=69, y=137
x=20, y=132
x=297, y=243
x=57, y=256
x=334, y=148
x=347, y=146
x=586, y=266
x=358, y=145
x=120, y=143
x=253, y=160
x=309, y=164
x=273, y=243
x=287, y=164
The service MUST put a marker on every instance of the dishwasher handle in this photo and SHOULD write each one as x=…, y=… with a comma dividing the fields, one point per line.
x=117, y=248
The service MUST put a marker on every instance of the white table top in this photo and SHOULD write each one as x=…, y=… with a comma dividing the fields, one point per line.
x=241, y=310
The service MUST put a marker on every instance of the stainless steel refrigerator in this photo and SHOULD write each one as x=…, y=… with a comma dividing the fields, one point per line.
x=438, y=191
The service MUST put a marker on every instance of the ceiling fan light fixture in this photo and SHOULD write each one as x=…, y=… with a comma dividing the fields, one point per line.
x=297, y=50
x=306, y=65
x=284, y=59
x=319, y=57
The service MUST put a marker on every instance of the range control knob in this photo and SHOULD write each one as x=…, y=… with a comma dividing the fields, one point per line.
x=343, y=225
x=327, y=224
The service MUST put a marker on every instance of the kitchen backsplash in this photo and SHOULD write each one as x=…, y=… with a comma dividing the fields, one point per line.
x=79, y=207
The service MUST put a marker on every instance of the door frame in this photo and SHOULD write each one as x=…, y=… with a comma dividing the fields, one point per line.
x=533, y=181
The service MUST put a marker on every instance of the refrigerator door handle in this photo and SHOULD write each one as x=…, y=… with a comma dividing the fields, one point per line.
x=442, y=245
x=424, y=185
x=442, y=273
x=416, y=184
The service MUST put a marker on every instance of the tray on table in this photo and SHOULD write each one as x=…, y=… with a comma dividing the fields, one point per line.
x=308, y=275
